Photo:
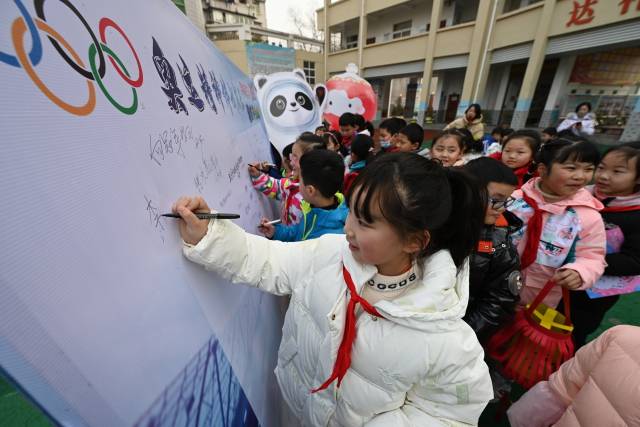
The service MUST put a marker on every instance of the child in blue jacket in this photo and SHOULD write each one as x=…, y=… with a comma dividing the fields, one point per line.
x=324, y=210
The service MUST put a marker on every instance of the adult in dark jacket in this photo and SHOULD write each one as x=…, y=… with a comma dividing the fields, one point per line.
x=494, y=283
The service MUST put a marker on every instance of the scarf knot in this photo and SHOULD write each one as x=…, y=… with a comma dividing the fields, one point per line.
x=343, y=360
x=534, y=231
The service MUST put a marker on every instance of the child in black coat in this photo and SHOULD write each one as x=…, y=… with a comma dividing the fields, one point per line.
x=494, y=283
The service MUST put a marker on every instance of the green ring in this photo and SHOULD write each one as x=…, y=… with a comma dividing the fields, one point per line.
x=92, y=61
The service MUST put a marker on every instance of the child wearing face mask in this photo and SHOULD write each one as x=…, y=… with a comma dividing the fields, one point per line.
x=518, y=151
x=387, y=130
x=563, y=238
x=374, y=334
x=617, y=186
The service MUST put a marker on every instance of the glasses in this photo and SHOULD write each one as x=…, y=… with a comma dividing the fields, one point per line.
x=501, y=204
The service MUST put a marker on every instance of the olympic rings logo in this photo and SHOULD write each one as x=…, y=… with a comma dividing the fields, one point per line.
x=98, y=48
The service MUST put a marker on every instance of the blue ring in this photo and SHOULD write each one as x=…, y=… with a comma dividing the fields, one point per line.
x=36, y=49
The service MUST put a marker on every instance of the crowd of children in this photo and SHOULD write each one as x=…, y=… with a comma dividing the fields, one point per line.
x=425, y=252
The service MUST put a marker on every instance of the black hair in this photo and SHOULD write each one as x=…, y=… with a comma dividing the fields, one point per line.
x=630, y=151
x=550, y=131
x=360, y=121
x=588, y=104
x=531, y=137
x=369, y=126
x=331, y=137
x=457, y=134
x=276, y=157
x=415, y=195
x=310, y=138
x=470, y=144
x=634, y=144
x=324, y=170
x=361, y=147
x=414, y=133
x=393, y=124
x=286, y=151
x=563, y=150
x=569, y=135
x=348, y=119
x=477, y=108
x=486, y=170
x=497, y=130
x=507, y=131
x=322, y=128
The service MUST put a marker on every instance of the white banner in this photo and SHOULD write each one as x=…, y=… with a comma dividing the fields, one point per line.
x=110, y=111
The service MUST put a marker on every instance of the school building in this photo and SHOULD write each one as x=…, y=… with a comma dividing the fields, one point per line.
x=527, y=62
x=239, y=29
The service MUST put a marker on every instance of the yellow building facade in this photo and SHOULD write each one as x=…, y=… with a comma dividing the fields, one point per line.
x=527, y=62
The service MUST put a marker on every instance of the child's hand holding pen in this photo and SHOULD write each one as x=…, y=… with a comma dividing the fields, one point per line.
x=267, y=228
x=256, y=168
x=192, y=229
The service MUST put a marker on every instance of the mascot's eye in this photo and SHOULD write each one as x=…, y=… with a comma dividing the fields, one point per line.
x=330, y=102
x=277, y=106
x=349, y=105
x=304, y=101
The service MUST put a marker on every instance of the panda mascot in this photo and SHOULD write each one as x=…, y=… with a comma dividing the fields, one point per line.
x=289, y=106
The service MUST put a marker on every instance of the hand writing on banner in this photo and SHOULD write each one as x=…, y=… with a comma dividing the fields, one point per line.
x=155, y=218
x=192, y=229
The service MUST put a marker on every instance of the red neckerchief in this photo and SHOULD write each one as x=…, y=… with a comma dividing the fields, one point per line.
x=343, y=361
x=520, y=173
x=534, y=230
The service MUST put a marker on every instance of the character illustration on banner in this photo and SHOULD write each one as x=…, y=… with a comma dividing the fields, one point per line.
x=289, y=105
x=349, y=93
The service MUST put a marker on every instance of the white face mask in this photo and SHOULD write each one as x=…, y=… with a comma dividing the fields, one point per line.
x=385, y=143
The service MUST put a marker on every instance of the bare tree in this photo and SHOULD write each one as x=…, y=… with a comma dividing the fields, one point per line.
x=305, y=24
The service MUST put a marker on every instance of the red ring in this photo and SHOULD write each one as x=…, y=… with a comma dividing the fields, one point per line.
x=106, y=22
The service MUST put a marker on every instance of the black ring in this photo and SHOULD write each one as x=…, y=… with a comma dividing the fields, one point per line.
x=39, y=6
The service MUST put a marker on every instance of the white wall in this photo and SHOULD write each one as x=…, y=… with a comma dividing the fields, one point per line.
x=381, y=24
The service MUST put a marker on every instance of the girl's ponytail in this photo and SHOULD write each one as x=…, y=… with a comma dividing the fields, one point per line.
x=461, y=231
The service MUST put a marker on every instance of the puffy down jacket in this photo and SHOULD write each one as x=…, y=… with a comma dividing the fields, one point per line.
x=419, y=365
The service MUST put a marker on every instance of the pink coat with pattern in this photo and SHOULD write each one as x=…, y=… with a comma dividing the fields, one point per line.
x=573, y=237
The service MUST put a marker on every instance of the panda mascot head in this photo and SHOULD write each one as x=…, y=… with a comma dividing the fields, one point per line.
x=289, y=105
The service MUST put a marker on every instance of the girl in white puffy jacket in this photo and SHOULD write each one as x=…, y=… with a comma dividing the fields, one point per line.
x=374, y=334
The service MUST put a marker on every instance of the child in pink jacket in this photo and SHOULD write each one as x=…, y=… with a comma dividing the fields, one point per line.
x=287, y=189
x=599, y=387
x=563, y=238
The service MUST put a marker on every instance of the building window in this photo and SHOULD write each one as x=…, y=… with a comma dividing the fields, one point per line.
x=217, y=17
x=352, y=41
x=336, y=42
x=309, y=68
x=401, y=29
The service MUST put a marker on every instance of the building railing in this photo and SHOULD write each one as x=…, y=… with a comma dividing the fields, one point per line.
x=254, y=33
